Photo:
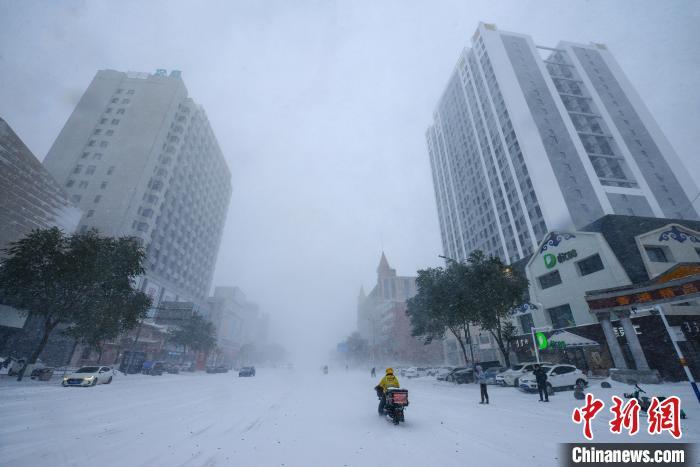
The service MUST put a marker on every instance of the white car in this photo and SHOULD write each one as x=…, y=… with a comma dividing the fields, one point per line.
x=89, y=376
x=411, y=373
x=511, y=376
x=558, y=377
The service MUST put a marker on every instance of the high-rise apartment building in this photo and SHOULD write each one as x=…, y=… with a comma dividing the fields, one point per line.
x=140, y=158
x=29, y=196
x=528, y=138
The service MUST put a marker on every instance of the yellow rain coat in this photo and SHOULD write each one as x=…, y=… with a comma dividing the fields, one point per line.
x=389, y=381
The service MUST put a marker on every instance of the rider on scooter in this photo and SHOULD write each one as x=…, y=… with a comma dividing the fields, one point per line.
x=388, y=381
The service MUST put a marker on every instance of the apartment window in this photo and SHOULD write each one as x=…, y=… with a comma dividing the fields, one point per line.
x=120, y=111
x=97, y=198
x=109, y=110
x=78, y=168
x=103, y=121
x=90, y=213
x=549, y=280
x=97, y=156
x=97, y=131
x=90, y=170
x=115, y=121
x=104, y=144
x=130, y=91
x=76, y=198
x=83, y=184
x=125, y=101
x=115, y=100
x=110, y=170
x=526, y=322
x=109, y=132
x=103, y=185
x=91, y=142
x=656, y=254
x=561, y=316
x=70, y=183
x=590, y=265
x=84, y=155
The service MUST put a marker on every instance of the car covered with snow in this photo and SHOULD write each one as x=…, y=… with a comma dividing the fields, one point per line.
x=89, y=376
x=511, y=377
x=559, y=377
x=491, y=373
x=442, y=373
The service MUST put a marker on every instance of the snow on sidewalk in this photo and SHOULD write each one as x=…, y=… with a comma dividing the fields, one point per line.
x=292, y=418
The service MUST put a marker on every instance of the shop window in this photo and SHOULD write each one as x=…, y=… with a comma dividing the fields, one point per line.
x=590, y=265
x=526, y=322
x=657, y=254
x=561, y=316
x=549, y=280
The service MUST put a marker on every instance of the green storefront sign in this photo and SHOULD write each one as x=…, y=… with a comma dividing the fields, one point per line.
x=551, y=260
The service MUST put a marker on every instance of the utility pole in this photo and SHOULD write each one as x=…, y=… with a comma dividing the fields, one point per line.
x=681, y=358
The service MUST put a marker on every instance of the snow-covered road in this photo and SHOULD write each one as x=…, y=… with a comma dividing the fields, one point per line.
x=290, y=418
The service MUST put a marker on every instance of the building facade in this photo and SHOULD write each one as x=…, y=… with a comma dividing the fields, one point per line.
x=612, y=252
x=241, y=328
x=383, y=323
x=528, y=138
x=139, y=157
x=30, y=199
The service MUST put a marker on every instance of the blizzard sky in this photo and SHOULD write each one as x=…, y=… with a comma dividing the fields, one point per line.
x=320, y=108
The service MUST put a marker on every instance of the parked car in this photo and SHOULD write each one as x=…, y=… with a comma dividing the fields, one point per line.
x=217, y=369
x=153, y=368
x=410, y=373
x=171, y=368
x=247, y=371
x=490, y=374
x=559, y=377
x=460, y=375
x=89, y=376
x=441, y=373
x=463, y=376
x=42, y=374
x=511, y=377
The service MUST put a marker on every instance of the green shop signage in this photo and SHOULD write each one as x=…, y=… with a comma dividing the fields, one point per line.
x=551, y=260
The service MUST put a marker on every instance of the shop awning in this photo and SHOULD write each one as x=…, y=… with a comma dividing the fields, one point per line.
x=568, y=339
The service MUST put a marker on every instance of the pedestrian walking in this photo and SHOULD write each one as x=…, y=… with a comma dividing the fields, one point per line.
x=541, y=376
x=374, y=372
x=481, y=379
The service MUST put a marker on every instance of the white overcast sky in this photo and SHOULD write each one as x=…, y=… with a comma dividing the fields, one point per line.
x=320, y=108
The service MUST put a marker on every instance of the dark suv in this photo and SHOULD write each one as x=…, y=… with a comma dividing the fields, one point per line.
x=247, y=371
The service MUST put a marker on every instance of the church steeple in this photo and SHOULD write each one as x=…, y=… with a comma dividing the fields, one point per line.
x=384, y=269
x=362, y=296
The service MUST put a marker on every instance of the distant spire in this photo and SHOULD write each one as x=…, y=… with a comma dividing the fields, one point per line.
x=383, y=264
x=362, y=295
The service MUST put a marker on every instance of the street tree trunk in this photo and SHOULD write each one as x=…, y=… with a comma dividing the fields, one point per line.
x=48, y=328
x=460, y=339
x=499, y=340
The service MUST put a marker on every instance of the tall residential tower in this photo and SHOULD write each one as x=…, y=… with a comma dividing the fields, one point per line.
x=139, y=157
x=528, y=138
